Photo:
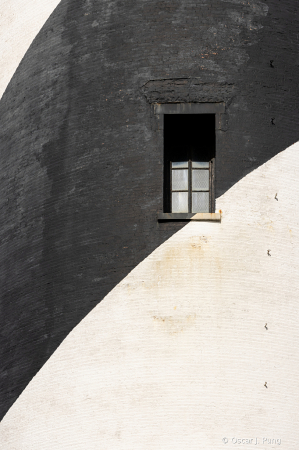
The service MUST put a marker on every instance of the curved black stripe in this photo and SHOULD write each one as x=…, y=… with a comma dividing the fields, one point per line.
x=81, y=163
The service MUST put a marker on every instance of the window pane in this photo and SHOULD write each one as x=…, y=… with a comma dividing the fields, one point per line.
x=200, y=180
x=200, y=165
x=180, y=165
x=200, y=202
x=180, y=180
x=180, y=202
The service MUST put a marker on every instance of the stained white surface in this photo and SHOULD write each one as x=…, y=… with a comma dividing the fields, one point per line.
x=177, y=355
x=20, y=22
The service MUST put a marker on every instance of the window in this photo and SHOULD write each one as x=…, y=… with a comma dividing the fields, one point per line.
x=190, y=186
x=189, y=163
x=189, y=135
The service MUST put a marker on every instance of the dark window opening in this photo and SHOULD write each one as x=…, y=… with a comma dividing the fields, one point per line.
x=189, y=162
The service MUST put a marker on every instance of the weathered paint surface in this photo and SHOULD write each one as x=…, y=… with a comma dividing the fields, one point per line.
x=178, y=354
x=81, y=158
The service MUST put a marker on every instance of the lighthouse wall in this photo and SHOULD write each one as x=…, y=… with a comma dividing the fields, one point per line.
x=81, y=151
x=196, y=348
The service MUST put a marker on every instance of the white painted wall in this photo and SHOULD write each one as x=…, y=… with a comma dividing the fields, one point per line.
x=177, y=355
x=20, y=22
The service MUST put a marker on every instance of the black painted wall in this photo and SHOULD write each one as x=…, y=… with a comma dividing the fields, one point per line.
x=81, y=163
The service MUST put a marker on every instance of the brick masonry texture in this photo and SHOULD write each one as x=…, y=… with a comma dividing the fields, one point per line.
x=81, y=161
x=178, y=354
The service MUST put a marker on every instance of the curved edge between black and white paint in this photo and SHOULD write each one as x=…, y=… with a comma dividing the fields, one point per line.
x=198, y=343
x=53, y=258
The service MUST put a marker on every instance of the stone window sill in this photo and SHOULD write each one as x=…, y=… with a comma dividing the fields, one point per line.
x=208, y=217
